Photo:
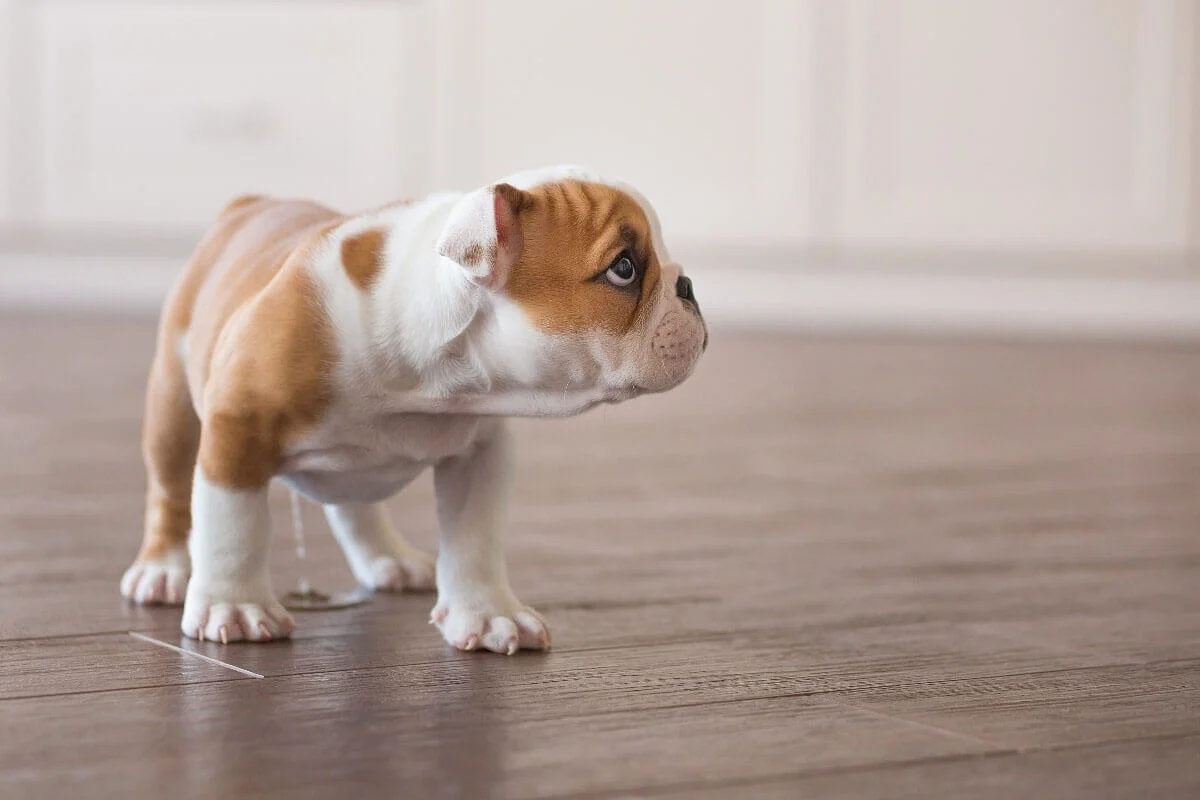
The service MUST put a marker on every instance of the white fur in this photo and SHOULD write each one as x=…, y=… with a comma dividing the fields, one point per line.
x=379, y=556
x=476, y=607
x=158, y=580
x=471, y=223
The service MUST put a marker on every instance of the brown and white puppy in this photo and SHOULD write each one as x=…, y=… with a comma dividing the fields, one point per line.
x=346, y=354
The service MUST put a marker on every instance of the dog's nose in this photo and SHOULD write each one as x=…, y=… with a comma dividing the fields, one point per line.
x=683, y=289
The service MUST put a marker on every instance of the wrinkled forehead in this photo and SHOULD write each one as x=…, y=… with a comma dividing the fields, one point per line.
x=591, y=223
x=631, y=199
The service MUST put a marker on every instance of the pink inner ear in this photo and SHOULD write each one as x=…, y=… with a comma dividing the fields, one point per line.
x=508, y=240
x=504, y=221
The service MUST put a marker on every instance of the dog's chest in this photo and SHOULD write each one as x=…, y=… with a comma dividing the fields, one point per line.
x=366, y=457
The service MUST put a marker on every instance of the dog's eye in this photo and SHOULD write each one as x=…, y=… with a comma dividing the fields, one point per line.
x=622, y=272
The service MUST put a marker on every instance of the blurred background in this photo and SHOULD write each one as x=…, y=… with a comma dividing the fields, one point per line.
x=1012, y=165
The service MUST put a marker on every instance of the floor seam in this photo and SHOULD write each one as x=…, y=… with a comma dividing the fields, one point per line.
x=52, y=637
x=925, y=725
x=151, y=640
x=80, y=692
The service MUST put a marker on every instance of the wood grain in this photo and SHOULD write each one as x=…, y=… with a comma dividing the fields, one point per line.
x=70, y=665
x=821, y=568
x=1160, y=767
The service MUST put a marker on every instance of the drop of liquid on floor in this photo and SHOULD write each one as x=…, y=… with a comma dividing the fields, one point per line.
x=305, y=597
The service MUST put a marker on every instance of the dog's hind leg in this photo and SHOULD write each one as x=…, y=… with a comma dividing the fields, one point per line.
x=170, y=438
x=379, y=556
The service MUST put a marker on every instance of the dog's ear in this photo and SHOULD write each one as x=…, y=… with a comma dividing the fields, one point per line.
x=483, y=234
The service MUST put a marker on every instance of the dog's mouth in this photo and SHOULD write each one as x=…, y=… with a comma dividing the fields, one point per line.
x=622, y=393
x=628, y=393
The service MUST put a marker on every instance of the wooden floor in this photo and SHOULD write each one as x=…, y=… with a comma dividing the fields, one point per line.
x=852, y=569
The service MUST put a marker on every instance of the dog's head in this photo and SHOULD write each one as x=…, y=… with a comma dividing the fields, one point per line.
x=589, y=306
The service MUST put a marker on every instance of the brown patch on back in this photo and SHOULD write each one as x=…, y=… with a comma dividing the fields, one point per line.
x=572, y=231
x=362, y=256
x=241, y=202
x=259, y=349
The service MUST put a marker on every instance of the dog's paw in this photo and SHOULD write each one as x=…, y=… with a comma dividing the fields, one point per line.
x=500, y=624
x=158, y=581
x=240, y=616
x=415, y=571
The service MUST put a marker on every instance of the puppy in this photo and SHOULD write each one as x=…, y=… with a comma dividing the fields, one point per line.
x=347, y=354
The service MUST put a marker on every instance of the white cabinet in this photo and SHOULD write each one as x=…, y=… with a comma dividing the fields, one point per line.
x=1014, y=123
x=152, y=115
x=984, y=125
x=898, y=125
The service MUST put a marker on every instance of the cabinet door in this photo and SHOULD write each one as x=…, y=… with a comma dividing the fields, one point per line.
x=1015, y=123
x=155, y=114
x=702, y=105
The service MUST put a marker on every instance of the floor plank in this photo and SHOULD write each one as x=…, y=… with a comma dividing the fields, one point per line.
x=1163, y=767
x=448, y=738
x=1052, y=708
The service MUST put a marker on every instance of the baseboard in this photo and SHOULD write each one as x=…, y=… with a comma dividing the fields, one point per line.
x=1125, y=307
x=78, y=282
x=884, y=301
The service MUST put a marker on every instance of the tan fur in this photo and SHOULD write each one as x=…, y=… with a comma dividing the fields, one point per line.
x=239, y=202
x=572, y=232
x=407, y=201
x=473, y=254
x=170, y=437
x=362, y=256
x=260, y=396
x=257, y=359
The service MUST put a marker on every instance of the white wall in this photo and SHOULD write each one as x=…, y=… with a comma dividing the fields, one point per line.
x=702, y=105
x=885, y=123
x=867, y=142
x=1060, y=124
x=153, y=114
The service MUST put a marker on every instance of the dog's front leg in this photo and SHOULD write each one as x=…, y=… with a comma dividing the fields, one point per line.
x=229, y=597
x=476, y=607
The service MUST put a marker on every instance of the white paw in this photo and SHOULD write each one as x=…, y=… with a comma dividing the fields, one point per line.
x=235, y=616
x=413, y=572
x=158, y=581
x=499, y=623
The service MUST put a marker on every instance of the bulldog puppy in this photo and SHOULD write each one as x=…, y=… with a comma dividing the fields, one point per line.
x=347, y=354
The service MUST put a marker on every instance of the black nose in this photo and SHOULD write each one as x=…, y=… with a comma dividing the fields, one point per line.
x=683, y=289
